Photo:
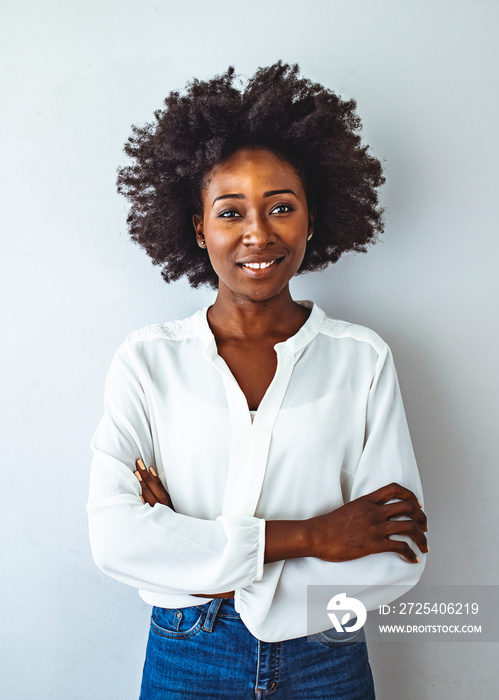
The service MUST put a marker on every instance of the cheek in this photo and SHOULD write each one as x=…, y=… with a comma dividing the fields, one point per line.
x=219, y=256
x=300, y=250
x=299, y=241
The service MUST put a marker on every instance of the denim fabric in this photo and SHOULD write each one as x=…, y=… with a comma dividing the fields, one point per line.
x=206, y=651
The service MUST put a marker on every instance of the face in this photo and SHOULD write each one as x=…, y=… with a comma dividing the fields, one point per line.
x=255, y=223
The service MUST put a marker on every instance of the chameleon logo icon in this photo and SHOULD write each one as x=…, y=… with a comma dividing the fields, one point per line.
x=341, y=604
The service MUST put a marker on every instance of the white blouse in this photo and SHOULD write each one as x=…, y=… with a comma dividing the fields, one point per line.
x=330, y=428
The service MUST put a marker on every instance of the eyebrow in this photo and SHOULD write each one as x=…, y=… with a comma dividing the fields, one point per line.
x=237, y=195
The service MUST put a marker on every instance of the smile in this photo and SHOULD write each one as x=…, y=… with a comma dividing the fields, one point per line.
x=258, y=266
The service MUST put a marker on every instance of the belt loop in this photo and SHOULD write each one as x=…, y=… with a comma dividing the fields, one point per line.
x=211, y=614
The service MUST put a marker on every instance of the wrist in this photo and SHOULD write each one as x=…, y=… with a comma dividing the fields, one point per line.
x=314, y=536
x=288, y=539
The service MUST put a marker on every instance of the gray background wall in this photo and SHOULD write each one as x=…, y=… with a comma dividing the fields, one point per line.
x=75, y=76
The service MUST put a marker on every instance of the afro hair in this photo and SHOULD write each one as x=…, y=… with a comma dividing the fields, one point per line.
x=301, y=122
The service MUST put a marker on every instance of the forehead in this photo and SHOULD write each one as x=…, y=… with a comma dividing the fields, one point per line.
x=252, y=168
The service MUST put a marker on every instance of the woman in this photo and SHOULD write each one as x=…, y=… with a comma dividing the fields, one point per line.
x=258, y=447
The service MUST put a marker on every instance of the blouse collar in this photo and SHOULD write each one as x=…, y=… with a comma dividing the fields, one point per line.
x=294, y=344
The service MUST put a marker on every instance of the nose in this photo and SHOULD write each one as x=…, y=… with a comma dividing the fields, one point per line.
x=259, y=232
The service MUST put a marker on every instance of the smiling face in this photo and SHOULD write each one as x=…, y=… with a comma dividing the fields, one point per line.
x=255, y=223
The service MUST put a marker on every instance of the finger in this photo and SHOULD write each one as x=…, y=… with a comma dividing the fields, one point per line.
x=154, y=483
x=139, y=478
x=391, y=491
x=403, y=549
x=409, y=528
x=159, y=489
x=150, y=477
x=147, y=495
x=406, y=508
x=151, y=497
x=157, y=486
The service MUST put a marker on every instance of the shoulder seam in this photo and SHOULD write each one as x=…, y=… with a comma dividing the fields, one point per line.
x=342, y=329
x=171, y=330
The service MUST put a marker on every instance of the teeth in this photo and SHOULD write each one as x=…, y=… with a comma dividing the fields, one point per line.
x=258, y=266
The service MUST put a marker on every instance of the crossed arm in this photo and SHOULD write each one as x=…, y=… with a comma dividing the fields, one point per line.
x=358, y=528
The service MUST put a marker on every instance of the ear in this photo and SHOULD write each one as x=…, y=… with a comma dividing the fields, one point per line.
x=197, y=222
x=311, y=222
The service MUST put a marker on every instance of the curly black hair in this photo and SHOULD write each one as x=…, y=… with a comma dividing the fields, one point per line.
x=301, y=122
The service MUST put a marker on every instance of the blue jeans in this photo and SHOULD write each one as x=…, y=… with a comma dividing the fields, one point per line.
x=206, y=651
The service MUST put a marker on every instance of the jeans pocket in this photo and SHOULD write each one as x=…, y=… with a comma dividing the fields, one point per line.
x=333, y=638
x=177, y=623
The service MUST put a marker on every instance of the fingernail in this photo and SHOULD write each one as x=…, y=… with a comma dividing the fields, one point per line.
x=141, y=464
x=152, y=471
x=420, y=504
x=418, y=560
x=137, y=474
x=427, y=547
x=142, y=499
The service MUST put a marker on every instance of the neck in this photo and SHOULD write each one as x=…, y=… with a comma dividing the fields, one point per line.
x=240, y=317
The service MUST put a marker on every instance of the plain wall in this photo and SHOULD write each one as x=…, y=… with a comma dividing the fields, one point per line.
x=75, y=76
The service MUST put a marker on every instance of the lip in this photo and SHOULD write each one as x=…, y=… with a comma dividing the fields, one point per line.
x=261, y=259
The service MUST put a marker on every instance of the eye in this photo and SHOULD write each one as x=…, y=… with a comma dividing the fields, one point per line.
x=282, y=209
x=228, y=214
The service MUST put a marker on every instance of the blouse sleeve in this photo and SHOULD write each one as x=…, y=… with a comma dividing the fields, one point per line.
x=155, y=548
x=375, y=579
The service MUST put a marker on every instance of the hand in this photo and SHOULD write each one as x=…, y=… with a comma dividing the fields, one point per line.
x=364, y=526
x=153, y=490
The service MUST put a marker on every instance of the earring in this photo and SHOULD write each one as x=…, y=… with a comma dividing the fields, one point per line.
x=310, y=236
x=202, y=243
